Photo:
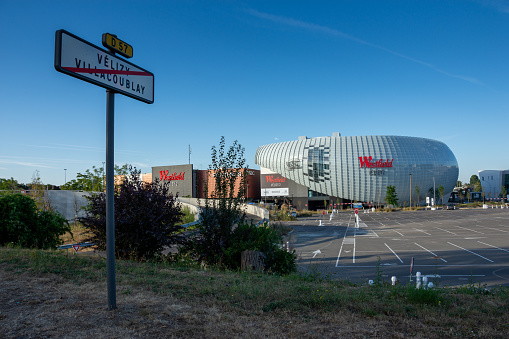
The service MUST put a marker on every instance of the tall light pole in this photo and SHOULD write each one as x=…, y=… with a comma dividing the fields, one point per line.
x=410, y=190
x=65, y=176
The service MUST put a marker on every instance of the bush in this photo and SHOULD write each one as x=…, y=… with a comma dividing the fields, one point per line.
x=248, y=237
x=23, y=225
x=146, y=217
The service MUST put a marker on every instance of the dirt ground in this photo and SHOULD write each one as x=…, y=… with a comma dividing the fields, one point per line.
x=46, y=307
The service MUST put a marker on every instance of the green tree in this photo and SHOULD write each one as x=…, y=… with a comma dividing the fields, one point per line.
x=94, y=180
x=503, y=192
x=459, y=183
x=417, y=191
x=391, y=197
x=441, y=191
x=474, y=179
x=23, y=224
x=224, y=211
x=146, y=218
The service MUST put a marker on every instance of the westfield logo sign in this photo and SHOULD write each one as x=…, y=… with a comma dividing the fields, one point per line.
x=368, y=162
x=169, y=177
x=270, y=178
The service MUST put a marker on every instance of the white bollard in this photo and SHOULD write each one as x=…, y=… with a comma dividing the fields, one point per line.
x=320, y=223
x=425, y=281
x=430, y=285
x=418, y=279
x=370, y=282
x=393, y=280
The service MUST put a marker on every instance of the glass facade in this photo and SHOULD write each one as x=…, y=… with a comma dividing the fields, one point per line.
x=361, y=167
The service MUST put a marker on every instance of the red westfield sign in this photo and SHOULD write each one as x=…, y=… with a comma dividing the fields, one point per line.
x=368, y=162
x=169, y=177
x=270, y=178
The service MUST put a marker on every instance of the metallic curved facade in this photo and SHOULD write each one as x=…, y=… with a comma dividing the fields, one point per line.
x=341, y=166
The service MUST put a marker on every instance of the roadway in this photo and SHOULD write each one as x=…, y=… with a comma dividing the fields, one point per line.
x=449, y=247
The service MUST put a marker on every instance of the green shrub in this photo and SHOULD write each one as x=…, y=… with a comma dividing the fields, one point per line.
x=146, y=217
x=249, y=237
x=23, y=225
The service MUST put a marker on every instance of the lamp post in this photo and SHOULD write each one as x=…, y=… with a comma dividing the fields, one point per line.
x=65, y=176
x=410, y=190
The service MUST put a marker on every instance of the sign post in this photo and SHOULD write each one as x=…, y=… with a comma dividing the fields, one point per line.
x=85, y=61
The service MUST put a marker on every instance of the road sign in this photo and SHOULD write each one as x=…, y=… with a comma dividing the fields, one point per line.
x=122, y=47
x=323, y=213
x=83, y=60
x=356, y=211
x=76, y=247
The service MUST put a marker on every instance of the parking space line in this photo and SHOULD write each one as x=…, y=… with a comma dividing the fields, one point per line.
x=491, y=228
x=421, y=231
x=430, y=252
x=468, y=229
x=493, y=246
x=399, y=233
x=394, y=253
x=445, y=230
x=471, y=252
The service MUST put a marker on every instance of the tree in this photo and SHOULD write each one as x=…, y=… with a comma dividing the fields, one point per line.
x=441, y=191
x=94, y=180
x=459, y=183
x=221, y=213
x=391, y=197
x=417, y=191
x=23, y=224
x=503, y=192
x=474, y=179
x=146, y=217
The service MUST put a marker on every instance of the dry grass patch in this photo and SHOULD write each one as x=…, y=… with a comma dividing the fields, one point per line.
x=49, y=294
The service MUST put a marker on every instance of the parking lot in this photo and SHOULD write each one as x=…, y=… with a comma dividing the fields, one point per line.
x=450, y=247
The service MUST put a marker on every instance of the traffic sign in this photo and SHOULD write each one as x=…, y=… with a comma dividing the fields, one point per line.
x=122, y=47
x=85, y=61
x=356, y=211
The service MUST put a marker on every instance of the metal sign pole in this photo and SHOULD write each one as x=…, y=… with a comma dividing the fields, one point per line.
x=110, y=207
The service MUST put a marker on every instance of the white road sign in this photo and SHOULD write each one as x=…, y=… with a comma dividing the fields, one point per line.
x=83, y=60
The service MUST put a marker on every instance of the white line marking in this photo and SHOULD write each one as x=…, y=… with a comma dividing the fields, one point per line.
x=430, y=252
x=493, y=246
x=394, y=253
x=471, y=252
x=491, y=228
x=341, y=248
x=353, y=258
x=399, y=233
x=375, y=233
x=421, y=231
x=468, y=229
x=445, y=230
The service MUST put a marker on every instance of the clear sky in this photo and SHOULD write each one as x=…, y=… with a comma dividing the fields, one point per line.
x=258, y=72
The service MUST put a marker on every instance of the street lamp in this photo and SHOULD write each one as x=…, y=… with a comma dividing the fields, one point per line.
x=410, y=190
x=65, y=176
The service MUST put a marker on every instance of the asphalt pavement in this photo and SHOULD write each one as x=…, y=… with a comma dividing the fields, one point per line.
x=449, y=247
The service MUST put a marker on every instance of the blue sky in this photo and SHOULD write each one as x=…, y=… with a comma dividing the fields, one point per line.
x=258, y=72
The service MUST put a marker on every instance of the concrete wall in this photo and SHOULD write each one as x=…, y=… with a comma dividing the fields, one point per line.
x=68, y=202
x=250, y=209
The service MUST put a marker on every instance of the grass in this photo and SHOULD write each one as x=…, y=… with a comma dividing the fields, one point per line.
x=212, y=303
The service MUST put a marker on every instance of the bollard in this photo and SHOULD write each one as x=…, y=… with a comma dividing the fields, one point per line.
x=425, y=281
x=393, y=280
x=418, y=279
x=370, y=282
x=430, y=285
x=320, y=223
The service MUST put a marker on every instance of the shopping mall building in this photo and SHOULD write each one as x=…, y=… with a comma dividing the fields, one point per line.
x=310, y=173
x=337, y=170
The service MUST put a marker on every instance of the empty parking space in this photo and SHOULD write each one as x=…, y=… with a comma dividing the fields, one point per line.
x=451, y=245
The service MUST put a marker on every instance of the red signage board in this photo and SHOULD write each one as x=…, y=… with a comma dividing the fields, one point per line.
x=356, y=211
